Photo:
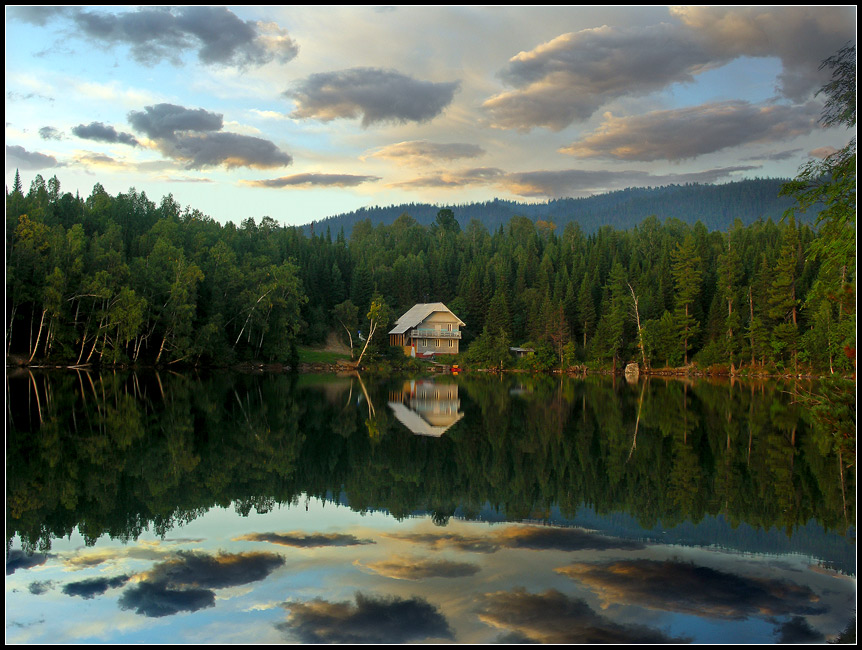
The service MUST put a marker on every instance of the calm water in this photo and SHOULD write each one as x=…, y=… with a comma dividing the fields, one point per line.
x=169, y=508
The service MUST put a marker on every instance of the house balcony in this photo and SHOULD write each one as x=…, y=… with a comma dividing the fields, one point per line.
x=435, y=334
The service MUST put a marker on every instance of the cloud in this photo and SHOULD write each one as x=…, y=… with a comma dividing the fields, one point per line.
x=401, y=568
x=103, y=133
x=163, y=121
x=822, y=152
x=313, y=180
x=688, y=588
x=423, y=152
x=371, y=620
x=521, y=537
x=570, y=77
x=377, y=95
x=40, y=587
x=440, y=541
x=798, y=630
x=19, y=157
x=92, y=587
x=552, y=617
x=50, y=133
x=800, y=36
x=163, y=34
x=16, y=559
x=777, y=155
x=157, y=600
x=301, y=540
x=214, y=571
x=230, y=150
x=455, y=179
x=186, y=582
x=194, y=137
x=690, y=132
x=544, y=538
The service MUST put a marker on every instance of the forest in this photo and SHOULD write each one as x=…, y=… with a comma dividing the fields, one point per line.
x=121, y=280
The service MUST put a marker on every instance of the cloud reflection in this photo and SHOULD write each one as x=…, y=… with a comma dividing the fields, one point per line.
x=301, y=540
x=401, y=568
x=372, y=619
x=688, y=588
x=553, y=617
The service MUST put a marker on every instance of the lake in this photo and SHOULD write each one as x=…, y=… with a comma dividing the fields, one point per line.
x=240, y=508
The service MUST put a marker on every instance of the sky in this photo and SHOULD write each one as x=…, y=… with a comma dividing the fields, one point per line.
x=303, y=112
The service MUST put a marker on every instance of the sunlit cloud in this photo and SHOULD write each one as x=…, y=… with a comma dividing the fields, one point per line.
x=552, y=617
x=423, y=152
x=375, y=94
x=694, y=131
x=454, y=179
x=313, y=180
x=698, y=590
x=403, y=568
x=370, y=620
x=570, y=77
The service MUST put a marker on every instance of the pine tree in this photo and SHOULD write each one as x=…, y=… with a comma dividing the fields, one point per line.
x=781, y=298
x=686, y=273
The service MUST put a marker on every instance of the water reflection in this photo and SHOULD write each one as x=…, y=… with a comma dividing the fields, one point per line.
x=426, y=407
x=234, y=508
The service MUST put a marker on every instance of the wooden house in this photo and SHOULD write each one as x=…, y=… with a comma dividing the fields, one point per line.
x=427, y=329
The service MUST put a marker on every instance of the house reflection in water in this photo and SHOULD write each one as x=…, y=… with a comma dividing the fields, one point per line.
x=426, y=407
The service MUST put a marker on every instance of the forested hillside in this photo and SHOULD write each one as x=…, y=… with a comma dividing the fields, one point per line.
x=123, y=280
x=715, y=206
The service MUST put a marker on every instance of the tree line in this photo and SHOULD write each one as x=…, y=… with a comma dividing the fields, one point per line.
x=123, y=280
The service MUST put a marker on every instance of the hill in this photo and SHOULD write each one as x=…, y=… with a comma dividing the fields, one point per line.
x=716, y=206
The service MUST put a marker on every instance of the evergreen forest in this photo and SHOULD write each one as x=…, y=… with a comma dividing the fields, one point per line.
x=123, y=280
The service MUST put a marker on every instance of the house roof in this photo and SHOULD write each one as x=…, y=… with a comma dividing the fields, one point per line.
x=417, y=313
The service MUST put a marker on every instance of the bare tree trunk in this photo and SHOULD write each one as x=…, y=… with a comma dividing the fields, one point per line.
x=640, y=330
x=38, y=336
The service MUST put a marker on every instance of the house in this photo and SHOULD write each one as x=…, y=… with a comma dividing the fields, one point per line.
x=426, y=329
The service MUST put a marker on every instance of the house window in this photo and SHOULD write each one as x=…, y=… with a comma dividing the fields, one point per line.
x=449, y=327
x=451, y=343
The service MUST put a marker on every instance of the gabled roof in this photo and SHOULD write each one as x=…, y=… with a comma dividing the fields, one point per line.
x=417, y=313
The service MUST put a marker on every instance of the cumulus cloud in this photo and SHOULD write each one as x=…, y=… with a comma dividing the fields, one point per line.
x=370, y=620
x=569, y=78
x=156, y=34
x=19, y=560
x=93, y=587
x=103, y=133
x=155, y=600
x=552, y=617
x=314, y=180
x=302, y=540
x=18, y=156
x=165, y=120
x=186, y=581
x=401, y=568
x=50, y=133
x=375, y=94
x=694, y=131
x=423, y=152
x=194, y=137
x=697, y=590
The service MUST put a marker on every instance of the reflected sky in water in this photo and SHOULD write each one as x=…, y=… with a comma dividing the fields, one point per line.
x=317, y=572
